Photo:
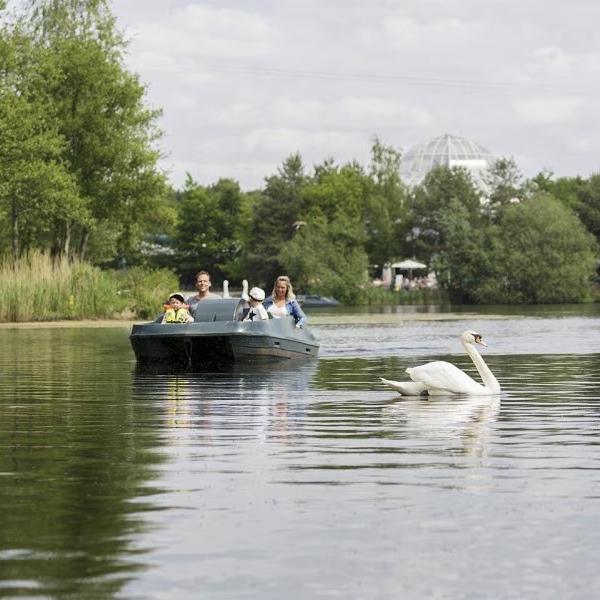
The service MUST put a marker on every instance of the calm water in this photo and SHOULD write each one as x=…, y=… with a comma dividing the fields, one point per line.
x=306, y=480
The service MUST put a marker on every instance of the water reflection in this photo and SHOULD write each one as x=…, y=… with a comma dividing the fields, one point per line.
x=454, y=423
x=76, y=463
x=300, y=480
x=259, y=397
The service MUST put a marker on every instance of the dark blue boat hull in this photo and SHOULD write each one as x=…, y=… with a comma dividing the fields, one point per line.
x=198, y=344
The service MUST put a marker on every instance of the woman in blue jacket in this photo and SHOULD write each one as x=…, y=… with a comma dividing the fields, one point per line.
x=282, y=302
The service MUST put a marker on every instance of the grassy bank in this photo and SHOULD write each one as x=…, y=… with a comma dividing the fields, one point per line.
x=39, y=288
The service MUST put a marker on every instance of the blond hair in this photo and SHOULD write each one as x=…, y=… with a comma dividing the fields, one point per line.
x=289, y=292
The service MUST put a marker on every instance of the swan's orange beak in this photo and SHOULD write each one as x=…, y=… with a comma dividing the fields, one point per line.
x=479, y=340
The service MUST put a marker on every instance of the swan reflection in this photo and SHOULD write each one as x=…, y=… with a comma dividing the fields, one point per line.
x=447, y=419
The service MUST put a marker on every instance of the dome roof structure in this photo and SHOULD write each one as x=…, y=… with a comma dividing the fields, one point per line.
x=448, y=151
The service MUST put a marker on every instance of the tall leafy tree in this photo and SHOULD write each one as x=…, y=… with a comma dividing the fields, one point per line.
x=442, y=190
x=587, y=206
x=547, y=252
x=538, y=252
x=275, y=219
x=504, y=182
x=108, y=130
x=386, y=208
x=211, y=220
x=37, y=192
x=565, y=189
x=467, y=253
x=321, y=260
x=327, y=254
x=581, y=195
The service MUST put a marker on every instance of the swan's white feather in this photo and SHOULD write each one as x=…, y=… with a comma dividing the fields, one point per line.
x=440, y=377
x=406, y=388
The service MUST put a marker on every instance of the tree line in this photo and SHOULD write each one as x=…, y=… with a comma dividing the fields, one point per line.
x=79, y=178
x=333, y=229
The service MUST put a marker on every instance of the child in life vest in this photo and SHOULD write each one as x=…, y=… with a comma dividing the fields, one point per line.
x=257, y=311
x=176, y=311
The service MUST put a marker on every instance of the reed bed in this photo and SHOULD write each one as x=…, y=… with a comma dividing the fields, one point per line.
x=41, y=288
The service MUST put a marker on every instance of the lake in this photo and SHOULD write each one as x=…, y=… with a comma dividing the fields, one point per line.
x=305, y=479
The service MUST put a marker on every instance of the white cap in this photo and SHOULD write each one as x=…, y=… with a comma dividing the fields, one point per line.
x=257, y=294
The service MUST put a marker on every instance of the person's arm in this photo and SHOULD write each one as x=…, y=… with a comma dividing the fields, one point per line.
x=297, y=313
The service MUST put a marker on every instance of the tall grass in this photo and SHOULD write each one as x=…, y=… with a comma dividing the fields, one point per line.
x=41, y=288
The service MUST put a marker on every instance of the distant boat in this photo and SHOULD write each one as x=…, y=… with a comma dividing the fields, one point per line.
x=314, y=301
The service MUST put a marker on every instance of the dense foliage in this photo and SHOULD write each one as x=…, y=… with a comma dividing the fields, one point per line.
x=79, y=175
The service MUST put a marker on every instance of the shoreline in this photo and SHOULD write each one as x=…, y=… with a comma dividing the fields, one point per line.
x=357, y=319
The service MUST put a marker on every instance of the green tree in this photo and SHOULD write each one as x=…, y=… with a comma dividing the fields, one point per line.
x=587, y=206
x=320, y=260
x=327, y=254
x=565, y=189
x=466, y=256
x=441, y=190
x=540, y=252
x=109, y=133
x=211, y=220
x=37, y=192
x=275, y=218
x=504, y=182
x=581, y=195
x=386, y=208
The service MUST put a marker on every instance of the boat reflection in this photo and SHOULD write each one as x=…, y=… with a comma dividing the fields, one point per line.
x=256, y=400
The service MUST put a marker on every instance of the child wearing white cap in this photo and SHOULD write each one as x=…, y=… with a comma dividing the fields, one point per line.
x=257, y=311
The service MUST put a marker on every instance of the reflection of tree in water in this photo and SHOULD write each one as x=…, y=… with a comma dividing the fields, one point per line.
x=451, y=421
x=76, y=452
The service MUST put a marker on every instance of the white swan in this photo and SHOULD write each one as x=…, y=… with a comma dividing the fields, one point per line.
x=442, y=378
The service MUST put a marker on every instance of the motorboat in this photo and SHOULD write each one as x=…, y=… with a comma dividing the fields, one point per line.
x=315, y=301
x=218, y=335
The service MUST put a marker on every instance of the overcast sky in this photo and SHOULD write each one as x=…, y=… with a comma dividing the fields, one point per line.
x=243, y=84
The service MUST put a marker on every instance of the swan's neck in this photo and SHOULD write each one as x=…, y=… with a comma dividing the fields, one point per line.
x=489, y=381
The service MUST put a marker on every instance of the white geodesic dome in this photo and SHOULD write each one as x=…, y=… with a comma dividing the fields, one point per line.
x=448, y=151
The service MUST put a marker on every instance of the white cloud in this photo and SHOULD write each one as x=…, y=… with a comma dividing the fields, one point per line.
x=196, y=33
x=245, y=83
x=544, y=111
x=284, y=141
